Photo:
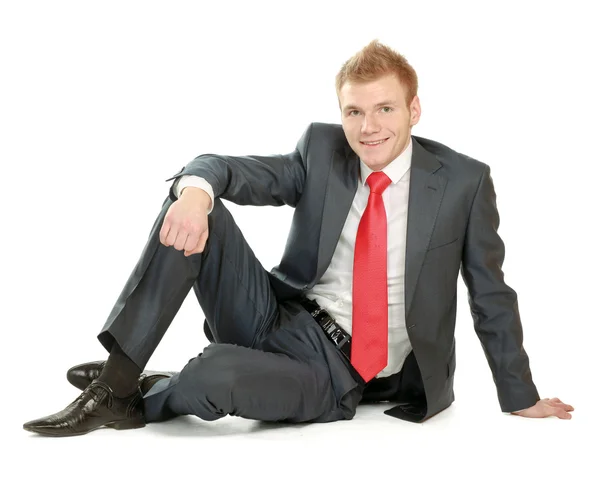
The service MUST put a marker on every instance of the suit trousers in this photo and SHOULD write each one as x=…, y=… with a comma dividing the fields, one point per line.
x=268, y=360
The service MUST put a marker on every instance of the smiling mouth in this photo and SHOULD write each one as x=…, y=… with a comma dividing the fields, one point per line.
x=374, y=144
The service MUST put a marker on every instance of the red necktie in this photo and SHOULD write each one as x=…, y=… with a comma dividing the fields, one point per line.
x=369, y=350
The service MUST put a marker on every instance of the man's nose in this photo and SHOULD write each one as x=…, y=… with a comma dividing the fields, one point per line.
x=369, y=125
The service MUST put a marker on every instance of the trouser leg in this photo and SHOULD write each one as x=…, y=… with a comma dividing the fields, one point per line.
x=233, y=288
x=295, y=374
x=249, y=383
x=236, y=295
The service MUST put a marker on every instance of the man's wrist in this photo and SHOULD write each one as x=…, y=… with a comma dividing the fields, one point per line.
x=194, y=181
x=199, y=194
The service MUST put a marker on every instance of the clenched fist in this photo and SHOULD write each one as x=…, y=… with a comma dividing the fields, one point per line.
x=185, y=226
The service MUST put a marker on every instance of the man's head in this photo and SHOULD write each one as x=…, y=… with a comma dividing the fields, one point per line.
x=377, y=93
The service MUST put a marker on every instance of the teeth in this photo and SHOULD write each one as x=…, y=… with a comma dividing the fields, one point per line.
x=374, y=142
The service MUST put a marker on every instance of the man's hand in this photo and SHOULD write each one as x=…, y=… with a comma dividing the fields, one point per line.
x=547, y=408
x=185, y=226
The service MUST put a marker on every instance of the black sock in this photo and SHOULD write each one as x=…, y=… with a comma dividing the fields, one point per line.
x=120, y=373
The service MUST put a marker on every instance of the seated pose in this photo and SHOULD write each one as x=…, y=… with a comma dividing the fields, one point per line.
x=362, y=306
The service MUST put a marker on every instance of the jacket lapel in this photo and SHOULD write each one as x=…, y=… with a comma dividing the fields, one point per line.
x=425, y=197
x=341, y=187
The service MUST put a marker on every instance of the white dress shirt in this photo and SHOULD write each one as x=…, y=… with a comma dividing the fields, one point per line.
x=334, y=290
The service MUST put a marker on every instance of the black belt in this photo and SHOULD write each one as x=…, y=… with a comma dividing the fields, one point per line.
x=334, y=332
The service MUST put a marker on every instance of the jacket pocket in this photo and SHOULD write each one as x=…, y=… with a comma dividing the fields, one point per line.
x=442, y=250
x=444, y=243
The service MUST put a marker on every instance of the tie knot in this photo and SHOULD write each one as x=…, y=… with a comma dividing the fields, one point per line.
x=378, y=182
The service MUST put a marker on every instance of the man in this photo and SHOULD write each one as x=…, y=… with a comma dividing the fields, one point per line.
x=362, y=306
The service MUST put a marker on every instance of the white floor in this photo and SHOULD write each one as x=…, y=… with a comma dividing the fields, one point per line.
x=459, y=448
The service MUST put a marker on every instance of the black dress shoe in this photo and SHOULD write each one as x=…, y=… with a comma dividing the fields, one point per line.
x=82, y=375
x=96, y=407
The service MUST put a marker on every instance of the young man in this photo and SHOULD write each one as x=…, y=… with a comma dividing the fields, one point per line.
x=362, y=306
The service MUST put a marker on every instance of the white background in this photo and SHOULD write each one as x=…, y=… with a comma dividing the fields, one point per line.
x=101, y=102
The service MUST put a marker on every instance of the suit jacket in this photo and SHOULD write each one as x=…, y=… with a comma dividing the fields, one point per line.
x=452, y=227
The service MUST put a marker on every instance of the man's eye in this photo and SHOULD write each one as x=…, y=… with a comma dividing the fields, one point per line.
x=353, y=113
x=386, y=109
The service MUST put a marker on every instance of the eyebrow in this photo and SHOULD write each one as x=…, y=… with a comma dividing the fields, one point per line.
x=381, y=104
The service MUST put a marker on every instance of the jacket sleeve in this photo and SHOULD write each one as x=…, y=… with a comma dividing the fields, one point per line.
x=253, y=180
x=493, y=304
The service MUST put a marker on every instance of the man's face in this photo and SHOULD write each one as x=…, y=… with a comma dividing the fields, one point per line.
x=376, y=120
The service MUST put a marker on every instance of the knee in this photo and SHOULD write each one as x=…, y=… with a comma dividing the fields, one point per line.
x=214, y=372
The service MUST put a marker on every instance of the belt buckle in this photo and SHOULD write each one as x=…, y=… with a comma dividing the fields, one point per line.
x=342, y=341
x=328, y=322
x=339, y=337
x=334, y=332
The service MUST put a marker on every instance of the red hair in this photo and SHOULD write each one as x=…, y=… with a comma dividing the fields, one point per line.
x=374, y=61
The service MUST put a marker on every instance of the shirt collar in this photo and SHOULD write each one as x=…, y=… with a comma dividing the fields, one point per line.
x=395, y=170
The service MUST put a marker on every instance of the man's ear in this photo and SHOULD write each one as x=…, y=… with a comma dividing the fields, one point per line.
x=415, y=110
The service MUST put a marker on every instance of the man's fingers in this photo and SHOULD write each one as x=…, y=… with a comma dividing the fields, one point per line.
x=195, y=244
x=182, y=227
x=190, y=244
x=197, y=250
x=182, y=238
x=171, y=236
x=201, y=245
x=561, y=414
x=555, y=402
x=547, y=407
x=556, y=409
x=164, y=231
x=564, y=406
x=202, y=240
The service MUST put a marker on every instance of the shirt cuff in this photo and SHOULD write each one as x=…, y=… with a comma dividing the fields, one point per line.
x=195, y=181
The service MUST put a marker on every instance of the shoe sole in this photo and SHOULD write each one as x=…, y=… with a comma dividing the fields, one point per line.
x=120, y=425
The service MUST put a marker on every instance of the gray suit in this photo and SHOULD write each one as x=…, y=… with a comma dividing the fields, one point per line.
x=452, y=228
